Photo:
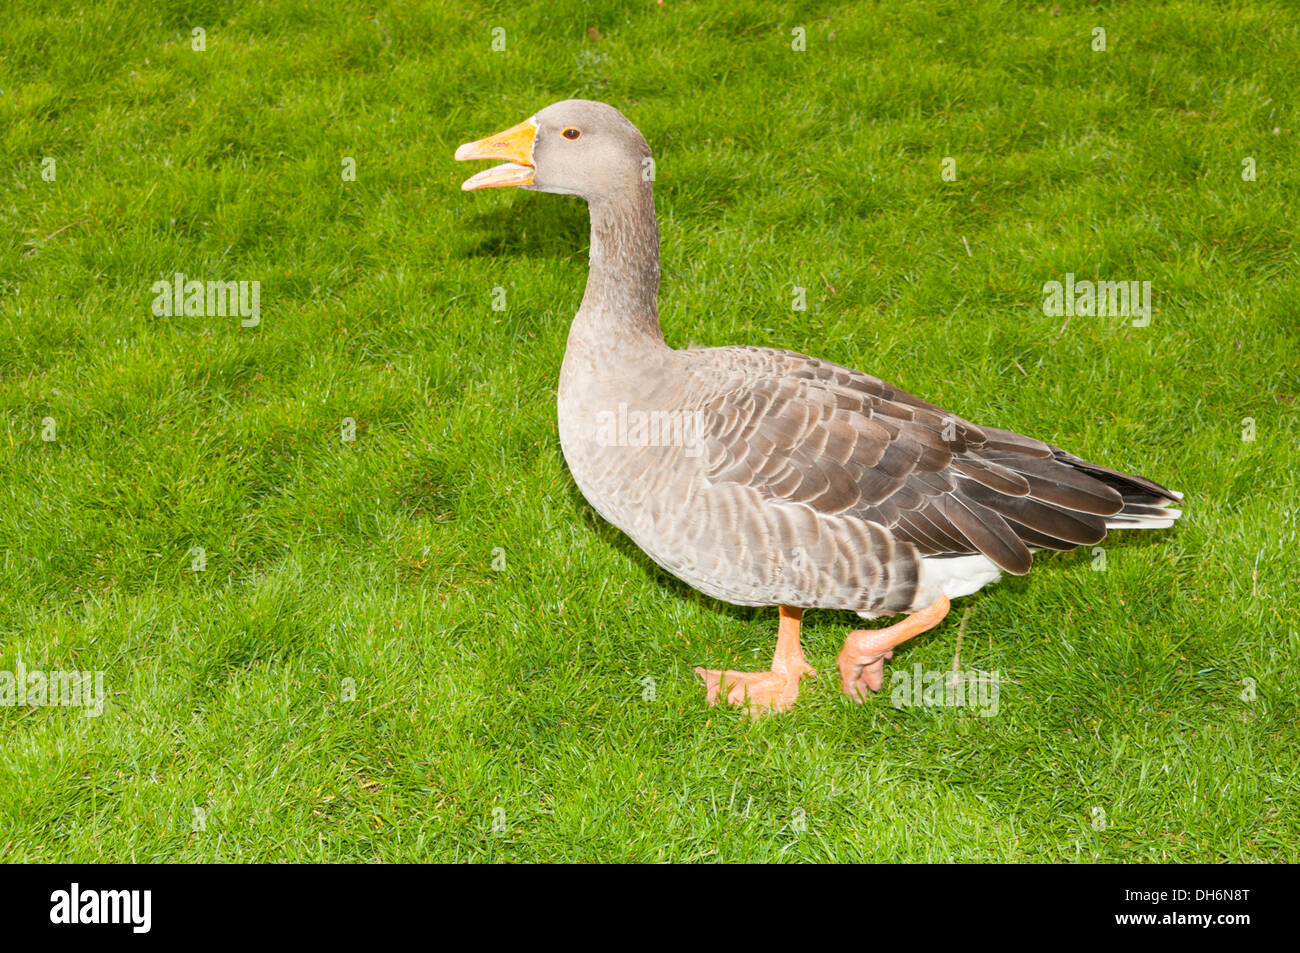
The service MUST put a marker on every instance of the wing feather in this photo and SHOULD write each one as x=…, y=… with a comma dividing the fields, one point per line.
x=805, y=431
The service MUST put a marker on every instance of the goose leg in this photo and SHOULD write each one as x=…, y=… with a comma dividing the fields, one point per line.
x=862, y=659
x=774, y=690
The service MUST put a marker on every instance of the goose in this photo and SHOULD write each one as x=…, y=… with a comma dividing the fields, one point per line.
x=765, y=477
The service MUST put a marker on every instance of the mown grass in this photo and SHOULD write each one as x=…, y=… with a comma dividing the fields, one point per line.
x=503, y=713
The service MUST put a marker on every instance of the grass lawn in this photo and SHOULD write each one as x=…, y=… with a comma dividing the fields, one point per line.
x=421, y=643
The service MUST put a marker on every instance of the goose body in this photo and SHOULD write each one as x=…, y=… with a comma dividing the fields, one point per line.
x=767, y=477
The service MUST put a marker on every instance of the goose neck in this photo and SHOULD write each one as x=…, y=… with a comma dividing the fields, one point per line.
x=622, y=296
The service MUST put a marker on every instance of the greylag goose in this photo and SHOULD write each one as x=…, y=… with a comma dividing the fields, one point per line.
x=768, y=478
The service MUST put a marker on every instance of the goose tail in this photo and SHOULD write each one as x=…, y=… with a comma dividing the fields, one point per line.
x=1147, y=504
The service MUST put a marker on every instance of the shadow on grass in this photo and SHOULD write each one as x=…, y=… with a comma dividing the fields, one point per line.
x=534, y=225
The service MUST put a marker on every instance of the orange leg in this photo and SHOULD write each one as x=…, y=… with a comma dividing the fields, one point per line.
x=773, y=690
x=862, y=660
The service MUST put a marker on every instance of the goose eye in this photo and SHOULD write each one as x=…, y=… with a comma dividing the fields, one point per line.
x=571, y=133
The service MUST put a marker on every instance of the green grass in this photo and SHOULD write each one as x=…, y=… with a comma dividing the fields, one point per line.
x=521, y=688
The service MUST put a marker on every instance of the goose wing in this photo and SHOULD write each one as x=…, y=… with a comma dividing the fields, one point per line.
x=801, y=430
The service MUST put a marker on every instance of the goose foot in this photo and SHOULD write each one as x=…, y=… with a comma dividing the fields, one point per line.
x=862, y=659
x=762, y=692
x=759, y=692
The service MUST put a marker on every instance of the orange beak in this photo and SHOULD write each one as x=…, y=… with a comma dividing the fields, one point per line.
x=515, y=146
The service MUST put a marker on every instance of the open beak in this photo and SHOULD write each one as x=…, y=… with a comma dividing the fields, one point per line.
x=515, y=146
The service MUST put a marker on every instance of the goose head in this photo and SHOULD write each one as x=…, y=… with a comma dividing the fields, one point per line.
x=575, y=147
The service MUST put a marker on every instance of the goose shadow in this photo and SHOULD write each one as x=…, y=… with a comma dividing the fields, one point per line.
x=540, y=226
